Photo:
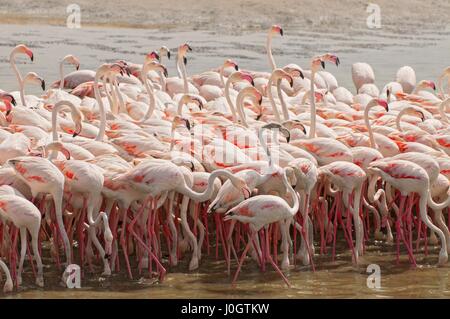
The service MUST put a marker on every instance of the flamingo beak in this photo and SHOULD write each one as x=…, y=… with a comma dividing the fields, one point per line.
x=184, y=60
x=168, y=55
x=301, y=74
x=77, y=67
x=188, y=47
x=187, y=123
x=323, y=64
x=236, y=67
x=281, y=31
x=43, y=85
x=337, y=61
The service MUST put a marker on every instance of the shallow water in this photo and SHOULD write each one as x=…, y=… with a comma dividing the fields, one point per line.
x=338, y=279
x=427, y=52
x=386, y=52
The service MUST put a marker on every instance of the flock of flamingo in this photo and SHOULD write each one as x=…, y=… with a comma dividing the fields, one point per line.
x=125, y=167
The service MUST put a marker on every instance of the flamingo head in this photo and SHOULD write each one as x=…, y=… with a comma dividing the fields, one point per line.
x=294, y=71
x=425, y=84
x=190, y=98
x=178, y=120
x=164, y=51
x=22, y=48
x=276, y=29
x=330, y=58
x=183, y=49
x=281, y=74
x=317, y=63
x=383, y=103
x=294, y=124
x=33, y=78
x=153, y=65
x=8, y=106
x=254, y=93
x=59, y=147
x=230, y=64
x=120, y=67
x=152, y=56
x=72, y=60
x=242, y=76
x=283, y=130
x=8, y=97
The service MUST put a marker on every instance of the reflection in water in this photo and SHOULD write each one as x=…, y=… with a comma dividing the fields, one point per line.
x=338, y=279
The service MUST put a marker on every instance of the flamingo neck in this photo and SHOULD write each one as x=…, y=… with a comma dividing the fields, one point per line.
x=269, y=51
x=206, y=195
x=55, y=110
x=151, y=95
x=272, y=101
x=110, y=94
x=369, y=127
x=98, y=97
x=228, y=98
x=312, y=129
x=12, y=61
x=292, y=210
x=240, y=106
x=221, y=77
x=282, y=101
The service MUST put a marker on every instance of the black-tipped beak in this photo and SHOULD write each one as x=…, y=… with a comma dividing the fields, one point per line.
x=157, y=56
x=301, y=74
x=236, y=67
x=32, y=57
x=260, y=101
x=304, y=131
x=337, y=61
x=192, y=166
x=188, y=124
x=7, y=112
x=291, y=82
x=184, y=60
x=13, y=100
x=281, y=32
x=288, y=138
x=323, y=64
x=253, y=83
x=77, y=67
x=168, y=55
x=43, y=85
x=166, y=74
x=75, y=134
x=189, y=47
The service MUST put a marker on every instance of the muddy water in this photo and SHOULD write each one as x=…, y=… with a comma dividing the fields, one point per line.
x=427, y=53
x=331, y=279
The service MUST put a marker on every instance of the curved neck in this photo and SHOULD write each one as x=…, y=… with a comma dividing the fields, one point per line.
x=269, y=51
x=240, y=105
x=293, y=210
x=282, y=101
x=369, y=128
x=55, y=110
x=272, y=101
x=98, y=97
x=399, y=118
x=437, y=206
x=312, y=100
x=264, y=146
x=206, y=195
x=110, y=94
x=228, y=98
x=12, y=61
x=115, y=85
x=177, y=64
x=151, y=95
